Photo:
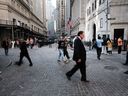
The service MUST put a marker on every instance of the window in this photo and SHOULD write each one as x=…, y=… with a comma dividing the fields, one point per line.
x=95, y=4
x=88, y=27
x=92, y=7
x=89, y=10
x=32, y=27
x=14, y=21
x=101, y=2
x=13, y=2
x=101, y=22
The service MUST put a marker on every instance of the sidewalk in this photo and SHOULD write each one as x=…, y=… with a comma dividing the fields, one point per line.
x=4, y=61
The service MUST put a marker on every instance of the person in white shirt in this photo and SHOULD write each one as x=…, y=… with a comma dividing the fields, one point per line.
x=99, y=42
x=13, y=43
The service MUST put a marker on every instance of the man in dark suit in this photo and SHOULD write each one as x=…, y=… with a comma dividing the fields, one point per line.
x=24, y=52
x=79, y=57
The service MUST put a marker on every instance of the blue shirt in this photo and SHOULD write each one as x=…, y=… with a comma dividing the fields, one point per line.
x=99, y=43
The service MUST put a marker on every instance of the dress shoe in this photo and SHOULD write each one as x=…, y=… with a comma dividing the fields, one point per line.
x=85, y=80
x=126, y=72
x=30, y=65
x=125, y=64
x=68, y=77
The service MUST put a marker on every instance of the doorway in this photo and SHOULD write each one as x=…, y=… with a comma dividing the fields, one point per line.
x=94, y=31
x=118, y=33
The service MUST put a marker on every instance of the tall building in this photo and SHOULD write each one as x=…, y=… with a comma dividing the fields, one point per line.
x=77, y=16
x=20, y=19
x=50, y=19
x=67, y=16
x=61, y=16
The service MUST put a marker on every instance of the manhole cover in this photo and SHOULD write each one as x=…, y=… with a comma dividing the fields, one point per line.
x=112, y=68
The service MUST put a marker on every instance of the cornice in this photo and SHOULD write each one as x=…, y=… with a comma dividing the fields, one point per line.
x=119, y=23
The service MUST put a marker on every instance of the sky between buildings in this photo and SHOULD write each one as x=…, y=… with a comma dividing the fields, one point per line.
x=54, y=3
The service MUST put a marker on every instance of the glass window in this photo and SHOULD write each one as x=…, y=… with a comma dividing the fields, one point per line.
x=101, y=22
x=92, y=7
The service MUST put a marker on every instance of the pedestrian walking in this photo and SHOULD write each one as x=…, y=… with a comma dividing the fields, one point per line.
x=79, y=56
x=65, y=48
x=126, y=62
x=99, y=42
x=5, y=45
x=60, y=49
x=109, y=46
x=24, y=52
x=104, y=45
x=94, y=43
x=120, y=43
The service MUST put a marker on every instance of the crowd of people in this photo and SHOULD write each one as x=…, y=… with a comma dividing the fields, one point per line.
x=23, y=45
x=102, y=46
x=62, y=48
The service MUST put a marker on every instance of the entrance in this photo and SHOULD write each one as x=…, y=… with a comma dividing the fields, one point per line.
x=94, y=31
x=118, y=33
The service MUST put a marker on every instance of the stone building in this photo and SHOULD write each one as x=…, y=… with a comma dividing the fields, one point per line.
x=19, y=19
x=97, y=22
x=78, y=16
x=107, y=18
x=61, y=16
x=119, y=19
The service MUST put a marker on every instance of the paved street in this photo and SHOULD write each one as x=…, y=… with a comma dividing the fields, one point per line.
x=47, y=77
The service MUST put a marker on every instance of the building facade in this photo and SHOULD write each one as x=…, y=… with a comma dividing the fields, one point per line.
x=61, y=16
x=97, y=22
x=119, y=16
x=77, y=16
x=20, y=20
x=50, y=19
x=107, y=18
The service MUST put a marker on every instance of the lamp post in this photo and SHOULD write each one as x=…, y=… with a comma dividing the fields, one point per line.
x=12, y=33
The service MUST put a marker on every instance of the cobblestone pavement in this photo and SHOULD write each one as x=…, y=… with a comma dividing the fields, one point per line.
x=47, y=77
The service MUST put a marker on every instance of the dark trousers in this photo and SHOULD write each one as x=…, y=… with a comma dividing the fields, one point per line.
x=27, y=56
x=119, y=49
x=126, y=58
x=66, y=53
x=6, y=51
x=80, y=66
x=99, y=50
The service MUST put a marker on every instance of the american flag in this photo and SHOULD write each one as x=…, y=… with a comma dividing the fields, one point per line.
x=69, y=24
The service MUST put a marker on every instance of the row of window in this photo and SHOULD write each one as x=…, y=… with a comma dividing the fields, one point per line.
x=94, y=6
x=19, y=23
x=101, y=24
x=19, y=7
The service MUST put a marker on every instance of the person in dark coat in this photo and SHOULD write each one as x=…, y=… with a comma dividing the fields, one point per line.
x=126, y=62
x=24, y=52
x=79, y=56
x=5, y=45
x=65, y=48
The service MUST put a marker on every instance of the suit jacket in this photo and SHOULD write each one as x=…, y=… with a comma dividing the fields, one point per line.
x=23, y=48
x=79, y=50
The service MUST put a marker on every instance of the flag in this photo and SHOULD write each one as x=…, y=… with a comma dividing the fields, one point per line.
x=69, y=24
